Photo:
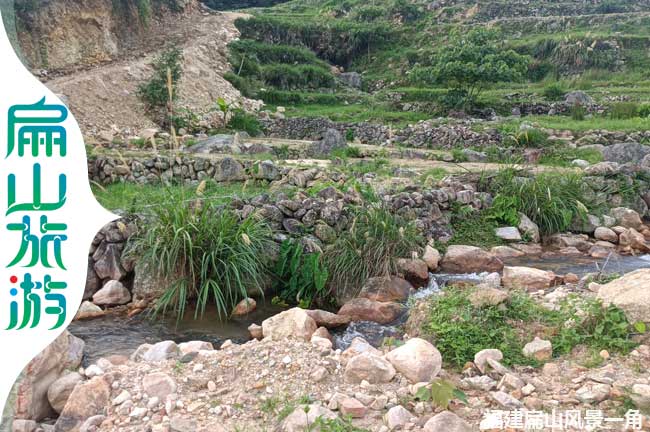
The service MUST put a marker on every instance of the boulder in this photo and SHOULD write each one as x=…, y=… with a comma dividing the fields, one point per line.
x=415, y=271
x=386, y=289
x=529, y=228
x=578, y=97
x=31, y=388
x=351, y=407
x=107, y=259
x=502, y=252
x=88, y=399
x=529, y=278
x=640, y=395
x=510, y=234
x=158, y=384
x=634, y=239
x=21, y=425
x=481, y=358
x=161, y=351
x=93, y=283
x=61, y=389
x=417, y=360
x=397, y=417
x=431, y=257
x=629, y=293
x=331, y=141
x=112, y=293
x=327, y=319
x=629, y=152
x=605, y=234
x=627, y=218
x=369, y=367
x=88, y=310
x=219, y=143
x=294, y=323
x=256, y=331
x=195, y=346
x=487, y=296
x=469, y=259
x=244, y=307
x=539, y=349
x=446, y=421
x=229, y=169
x=358, y=346
x=363, y=309
x=146, y=285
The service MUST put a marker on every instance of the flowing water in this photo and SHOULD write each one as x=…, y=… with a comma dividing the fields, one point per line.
x=117, y=334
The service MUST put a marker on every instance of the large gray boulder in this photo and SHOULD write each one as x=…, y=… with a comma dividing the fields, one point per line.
x=228, y=169
x=331, y=141
x=626, y=152
x=215, y=144
x=578, y=98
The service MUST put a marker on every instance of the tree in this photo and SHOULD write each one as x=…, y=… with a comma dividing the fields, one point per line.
x=470, y=62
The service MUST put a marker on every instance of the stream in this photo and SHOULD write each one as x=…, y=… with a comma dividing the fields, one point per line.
x=117, y=334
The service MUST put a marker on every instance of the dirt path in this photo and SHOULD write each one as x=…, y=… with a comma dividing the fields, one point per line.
x=104, y=98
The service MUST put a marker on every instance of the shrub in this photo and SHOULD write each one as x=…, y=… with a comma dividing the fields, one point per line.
x=624, y=110
x=293, y=77
x=155, y=92
x=376, y=239
x=266, y=53
x=246, y=87
x=552, y=201
x=554, y=92
x=644, y=110
x=205, y=254
x=473, y=227
x=301, y=277
x=368, y=13
x=243, y=121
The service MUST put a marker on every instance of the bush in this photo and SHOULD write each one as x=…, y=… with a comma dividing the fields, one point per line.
x=473, y=227
x=301, y=277
x=376, y=239
x=554, y=92
x=644, y=110
x=266, y=53
x=552, y=201
x=205, y=254
x=624, y=110
x=155, y=92
x=276, y=97
x=294, y=77
x=243, y=121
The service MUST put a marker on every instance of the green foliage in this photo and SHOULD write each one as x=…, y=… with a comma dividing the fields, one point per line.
x=247, y=87
x=459, y=155
x=644, y=110
x=554, y=92
x=472, y=61
x=243, y=121
x=589, y=323
x=265, y=53
x=461, y=330
x=301, y=277
x=529, y=137
x=624, y=110
x=440, y=393
x=504, y=211
x=155, y=92
x=278, y=97
x=336, y=41
x=286, y=77
x=204, y=253
x=376, y=239
x=473, y=227
x=334, y=425
x=552, y=201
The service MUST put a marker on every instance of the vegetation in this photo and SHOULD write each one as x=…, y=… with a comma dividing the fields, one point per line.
x=206, y=254
x=371, y=247
x=461, y=330
x=161, y=88
x=470, y=62
x=553, y=201
x=301, y=277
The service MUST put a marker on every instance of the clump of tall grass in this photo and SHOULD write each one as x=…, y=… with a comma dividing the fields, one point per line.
x=206, y=255
x=376, y=239
x=553, y=201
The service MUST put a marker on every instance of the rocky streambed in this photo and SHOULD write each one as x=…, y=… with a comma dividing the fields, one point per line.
x=117, y=334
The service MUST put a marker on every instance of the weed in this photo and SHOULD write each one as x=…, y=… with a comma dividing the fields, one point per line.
x=624, y=110
x=440, y=393
x=554, y=92
x=155, y=92
x=301, y=277
x=205, y=253
x=242, y=121
x=376, y=239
